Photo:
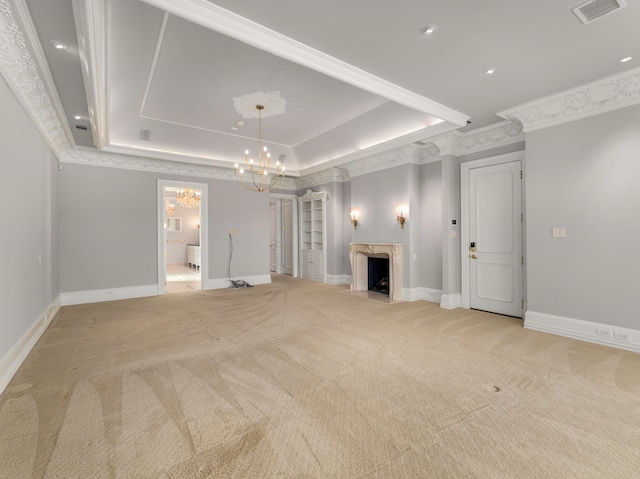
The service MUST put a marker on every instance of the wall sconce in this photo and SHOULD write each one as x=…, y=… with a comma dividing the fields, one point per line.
x=400, y=217
x=354, y=218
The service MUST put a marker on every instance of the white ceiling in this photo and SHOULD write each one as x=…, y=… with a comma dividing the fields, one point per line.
x=178, y=79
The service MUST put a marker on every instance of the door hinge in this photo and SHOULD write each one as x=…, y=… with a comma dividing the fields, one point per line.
x=520, y=174
x=521, y=217
x=522, y=260
x=522, y=304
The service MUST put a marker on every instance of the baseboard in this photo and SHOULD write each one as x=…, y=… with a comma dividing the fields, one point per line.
x=338, y=279
x=14, y=358
x=222, y=283
x=451, y=301
x=418, y=294
x=111, y=294
x=599, y=333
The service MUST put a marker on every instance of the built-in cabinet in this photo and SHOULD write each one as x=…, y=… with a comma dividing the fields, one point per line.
x=312, y=207
x=193, y=255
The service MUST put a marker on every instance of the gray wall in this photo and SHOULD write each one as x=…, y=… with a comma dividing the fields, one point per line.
x=585, y=176
x=108, y=228
x=430, y=238
x=451, y=274
x=376, y=195
x=27, y=230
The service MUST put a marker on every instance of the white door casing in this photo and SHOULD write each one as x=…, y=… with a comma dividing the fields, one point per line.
x=273, y=236
x=287, y=236
x=204, y=230
x=492, y=278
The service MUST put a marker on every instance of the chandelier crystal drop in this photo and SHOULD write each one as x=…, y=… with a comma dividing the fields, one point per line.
x=188, y=198
x=170, y=208
x=259, y=176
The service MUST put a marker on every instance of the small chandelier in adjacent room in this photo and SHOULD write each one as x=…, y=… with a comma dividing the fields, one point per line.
x=188, y=198
x=258, y=173
x=170, y=208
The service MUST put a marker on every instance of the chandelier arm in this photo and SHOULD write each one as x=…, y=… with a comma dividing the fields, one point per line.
x=241, y=180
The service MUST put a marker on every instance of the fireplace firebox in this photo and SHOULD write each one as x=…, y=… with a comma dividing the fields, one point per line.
x=378, y=275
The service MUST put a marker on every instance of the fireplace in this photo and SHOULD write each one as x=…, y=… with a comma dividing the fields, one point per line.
x=361, y=254
x=378, y=275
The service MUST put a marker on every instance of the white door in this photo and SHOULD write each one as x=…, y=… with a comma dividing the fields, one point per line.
x=273, y=234
x=287, y=236
x=495, y=238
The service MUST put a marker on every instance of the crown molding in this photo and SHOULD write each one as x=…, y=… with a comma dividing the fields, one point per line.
x=90, y=156
x=606, y=94
x=410, y=154
x=213, y=17
x=333, y=175
x=492, y=136
x=24, y=75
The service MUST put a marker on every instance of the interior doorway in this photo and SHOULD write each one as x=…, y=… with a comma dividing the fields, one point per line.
x=492, y=235
x=182, y=233
x=283, y=235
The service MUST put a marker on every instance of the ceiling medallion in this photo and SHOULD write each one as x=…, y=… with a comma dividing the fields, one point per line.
x=272, y=102
x=259, y=172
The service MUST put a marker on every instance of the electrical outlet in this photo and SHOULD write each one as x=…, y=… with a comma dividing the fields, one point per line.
x=622, y=336
x=109, y=293
x=607, y=333
x=234, y=231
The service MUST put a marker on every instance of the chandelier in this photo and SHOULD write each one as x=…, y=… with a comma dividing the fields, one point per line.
x=170, y=208
x=259, y=179
x=189, y=198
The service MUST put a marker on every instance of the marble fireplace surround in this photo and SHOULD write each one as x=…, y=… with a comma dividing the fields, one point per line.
x=359, y=254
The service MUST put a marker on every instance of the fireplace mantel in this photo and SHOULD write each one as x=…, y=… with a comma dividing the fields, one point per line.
x=358, y=254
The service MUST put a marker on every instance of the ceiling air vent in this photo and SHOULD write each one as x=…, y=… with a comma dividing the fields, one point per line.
x=595, y=9
x=82, y=127
x=145, y=135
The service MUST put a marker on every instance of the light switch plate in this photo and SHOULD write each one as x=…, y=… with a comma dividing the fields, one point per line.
x=557, y=233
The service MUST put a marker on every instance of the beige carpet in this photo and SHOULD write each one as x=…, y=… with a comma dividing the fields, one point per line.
x=302, y=380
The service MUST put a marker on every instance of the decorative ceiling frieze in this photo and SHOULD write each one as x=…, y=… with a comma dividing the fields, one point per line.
x=88, y=156
x=410, y=154
x=609, y=93
x=333, y=175
x=23, y=67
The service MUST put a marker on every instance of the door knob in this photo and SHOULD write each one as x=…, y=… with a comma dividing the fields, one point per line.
x=473, y=256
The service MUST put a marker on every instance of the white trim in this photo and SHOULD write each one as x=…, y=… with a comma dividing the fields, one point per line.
x=213, y=17
x=451, y=301
x=90, y=18
x=91, y=156
x=337, y=279
x=294, y=225
x=161, y=233
x=21, y=72
x=14, y=358
x=222, y=283
x=583, y=330
x=465, y=168
x=606, y=94
x=110, y=294
x=43, y=65
x=421, y=294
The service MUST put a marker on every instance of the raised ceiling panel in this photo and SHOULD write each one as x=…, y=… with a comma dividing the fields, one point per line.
x=199, y=72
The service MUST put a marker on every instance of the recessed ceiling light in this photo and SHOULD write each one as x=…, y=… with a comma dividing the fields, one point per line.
x=240, y=123
x=625, y=59
x=430, y=30
x=233, y=128
x=58, y=45
x=78, y=117
x=490, y=71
